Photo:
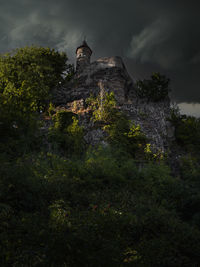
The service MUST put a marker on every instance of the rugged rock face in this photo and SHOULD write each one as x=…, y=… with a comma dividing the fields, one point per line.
x=153, y=119
x=110, y=75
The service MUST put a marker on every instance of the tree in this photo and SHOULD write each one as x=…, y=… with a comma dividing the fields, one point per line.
x=187, y=132
x=27, y=77
x=156, y=89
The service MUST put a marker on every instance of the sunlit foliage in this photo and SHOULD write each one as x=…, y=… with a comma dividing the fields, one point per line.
x=63, y=203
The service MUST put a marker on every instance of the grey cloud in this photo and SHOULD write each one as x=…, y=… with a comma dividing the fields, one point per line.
x=190, y=109
x=145, y=44
x=155, y=35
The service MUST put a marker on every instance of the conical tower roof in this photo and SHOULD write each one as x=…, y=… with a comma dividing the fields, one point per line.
x=84, y=44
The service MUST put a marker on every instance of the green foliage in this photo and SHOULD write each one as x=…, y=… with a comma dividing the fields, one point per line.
x=69, y=74
x=127, y=135
x=190, y=168
x=62, y=119
x=62, y=212
x=121, y=132
x=51, y=109
x=27, y=76
x=75, y=134
x=103, y=107
x=187, y=132
x=66, y=132
x=156, y=89
x=100, y=209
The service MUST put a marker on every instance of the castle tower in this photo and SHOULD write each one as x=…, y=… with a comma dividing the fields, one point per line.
x=83, y=54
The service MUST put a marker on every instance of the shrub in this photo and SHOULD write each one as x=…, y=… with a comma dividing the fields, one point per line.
x=156, y=89
x=187, y=132
x=66, y=132
x=103, y=107
x=120, y=130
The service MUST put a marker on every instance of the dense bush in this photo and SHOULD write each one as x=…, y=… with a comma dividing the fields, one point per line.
x=156, y=89
x=121, y=132
x=66, y=132
x=103, y=107
x=72, y=205
x=98, y=211
x=187, y=132
x=27, y=76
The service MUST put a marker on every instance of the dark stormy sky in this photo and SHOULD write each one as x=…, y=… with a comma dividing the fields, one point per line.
x=150, y=35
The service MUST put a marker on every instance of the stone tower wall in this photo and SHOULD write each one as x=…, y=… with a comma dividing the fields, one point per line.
x=82, y=58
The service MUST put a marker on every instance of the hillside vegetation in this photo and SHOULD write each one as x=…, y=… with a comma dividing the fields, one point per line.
x=65, y=203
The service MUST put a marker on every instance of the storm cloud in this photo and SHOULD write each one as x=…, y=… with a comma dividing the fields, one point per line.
x=151, y=36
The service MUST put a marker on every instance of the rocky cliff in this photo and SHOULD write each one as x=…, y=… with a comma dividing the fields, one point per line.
x=110, y=75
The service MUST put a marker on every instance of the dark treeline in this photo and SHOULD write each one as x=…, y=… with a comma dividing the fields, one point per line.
x=64, y=203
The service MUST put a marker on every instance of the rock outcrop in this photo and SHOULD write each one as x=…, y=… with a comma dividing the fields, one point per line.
x=109, y=74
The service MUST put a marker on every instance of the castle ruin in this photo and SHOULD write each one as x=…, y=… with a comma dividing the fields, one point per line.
x=110, y=74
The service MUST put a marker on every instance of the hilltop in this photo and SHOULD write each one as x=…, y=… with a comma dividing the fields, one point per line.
x=106, y=75
x=95, y=169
